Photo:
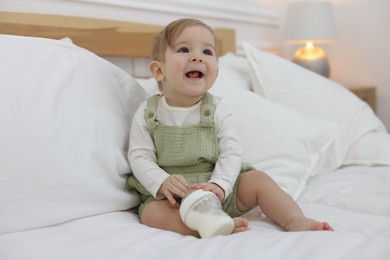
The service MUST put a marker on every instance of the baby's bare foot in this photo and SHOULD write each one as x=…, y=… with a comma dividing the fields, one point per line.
x=307, y=224
x=240, y=225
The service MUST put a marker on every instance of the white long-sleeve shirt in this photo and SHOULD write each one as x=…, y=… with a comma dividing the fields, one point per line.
x=142, y=154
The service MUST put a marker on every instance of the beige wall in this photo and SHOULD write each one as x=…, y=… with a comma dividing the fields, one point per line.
x=361, y=55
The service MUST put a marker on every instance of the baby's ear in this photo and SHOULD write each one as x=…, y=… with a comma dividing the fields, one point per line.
x=155, y=69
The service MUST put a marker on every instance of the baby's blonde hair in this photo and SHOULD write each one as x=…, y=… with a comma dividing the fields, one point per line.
x=166, y=38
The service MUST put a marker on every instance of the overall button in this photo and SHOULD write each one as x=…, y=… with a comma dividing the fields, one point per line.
x=150, y=114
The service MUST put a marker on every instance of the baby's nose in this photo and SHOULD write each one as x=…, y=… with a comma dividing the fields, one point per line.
x=197, y=59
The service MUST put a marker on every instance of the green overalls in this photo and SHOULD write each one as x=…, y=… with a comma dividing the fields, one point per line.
x=191, y=151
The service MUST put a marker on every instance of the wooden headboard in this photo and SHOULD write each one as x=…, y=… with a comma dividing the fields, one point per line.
x=103, y=37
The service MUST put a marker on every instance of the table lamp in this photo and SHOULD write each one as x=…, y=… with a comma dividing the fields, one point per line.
x=310, y=23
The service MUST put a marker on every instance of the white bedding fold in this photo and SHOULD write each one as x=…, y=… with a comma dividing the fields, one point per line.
x=359, y=189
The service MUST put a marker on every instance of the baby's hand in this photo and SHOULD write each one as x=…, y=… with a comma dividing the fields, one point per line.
x=209, y=186
x=174, y=185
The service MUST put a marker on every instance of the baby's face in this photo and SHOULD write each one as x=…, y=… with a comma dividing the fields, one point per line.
x=190, y=67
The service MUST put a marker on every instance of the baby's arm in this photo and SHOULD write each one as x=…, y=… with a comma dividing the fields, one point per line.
x=142, y=156
x=229, y=161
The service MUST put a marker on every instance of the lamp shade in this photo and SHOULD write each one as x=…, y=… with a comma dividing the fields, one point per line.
x=309, y=21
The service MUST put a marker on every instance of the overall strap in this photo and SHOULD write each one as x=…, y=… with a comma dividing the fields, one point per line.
x=207, y=110
x=206, y=116
x=151, y=112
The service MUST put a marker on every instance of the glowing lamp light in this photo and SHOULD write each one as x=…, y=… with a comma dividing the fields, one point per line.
x=310, y=23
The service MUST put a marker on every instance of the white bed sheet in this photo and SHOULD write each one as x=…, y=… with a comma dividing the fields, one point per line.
x=362, y=230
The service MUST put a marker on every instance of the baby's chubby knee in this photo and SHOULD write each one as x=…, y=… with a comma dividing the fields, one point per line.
x=256, y=174
x=256, y=177
x=152, y=213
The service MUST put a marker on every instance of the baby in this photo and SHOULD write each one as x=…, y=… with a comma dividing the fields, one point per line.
x=185, y=139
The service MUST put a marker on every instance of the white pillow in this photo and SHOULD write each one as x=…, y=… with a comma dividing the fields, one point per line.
x=288, y=84
x=372, y=149
x=149, y=85
x=65, y=118
x=277, y=140
x=239, y=66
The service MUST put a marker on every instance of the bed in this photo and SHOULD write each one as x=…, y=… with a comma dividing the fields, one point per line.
x=65, y=117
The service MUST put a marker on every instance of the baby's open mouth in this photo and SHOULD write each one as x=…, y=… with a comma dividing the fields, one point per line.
x=194, y=74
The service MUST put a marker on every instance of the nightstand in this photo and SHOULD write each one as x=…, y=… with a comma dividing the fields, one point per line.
x=365, y=93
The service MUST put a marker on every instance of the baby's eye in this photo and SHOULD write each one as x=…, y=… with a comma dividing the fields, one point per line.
x=183, y=50
x=208, y=52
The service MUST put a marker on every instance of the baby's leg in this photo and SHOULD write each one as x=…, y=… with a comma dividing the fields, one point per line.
x=258, y=189
x=161, y=214
x=308, y=224
x=240, y=224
